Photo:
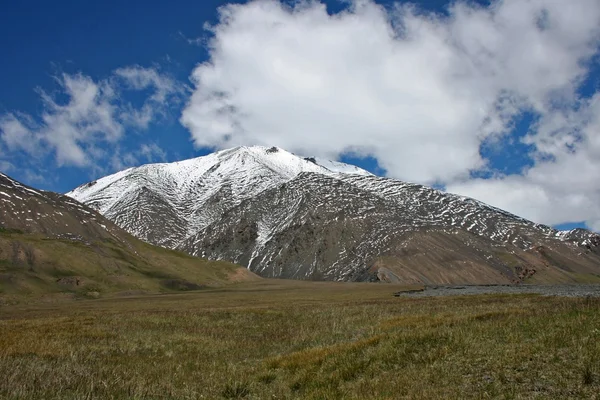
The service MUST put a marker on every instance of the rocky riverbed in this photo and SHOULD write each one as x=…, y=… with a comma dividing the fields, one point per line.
x=545, y=290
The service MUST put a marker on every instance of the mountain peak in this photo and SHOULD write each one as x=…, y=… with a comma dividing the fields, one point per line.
x=290, y=164
x=288, y=216
x=180, y=189
x=242, y=162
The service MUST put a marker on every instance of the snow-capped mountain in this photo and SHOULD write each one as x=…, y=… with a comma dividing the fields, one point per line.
x=282, y=215
x=166, y=203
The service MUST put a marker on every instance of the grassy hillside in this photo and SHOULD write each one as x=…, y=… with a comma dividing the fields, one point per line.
x=302, y=340
x=33, y=264
x=52, y=245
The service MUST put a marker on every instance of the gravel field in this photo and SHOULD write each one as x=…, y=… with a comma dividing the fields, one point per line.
x=546, y=290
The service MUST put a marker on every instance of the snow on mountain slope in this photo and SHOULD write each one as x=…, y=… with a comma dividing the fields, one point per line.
x=287, y=216
x=165, y=203
x=48, y=213
x=322, y=227
x=433, y=207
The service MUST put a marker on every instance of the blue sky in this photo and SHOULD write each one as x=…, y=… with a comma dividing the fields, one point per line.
x=490, y=100
x=44, y=40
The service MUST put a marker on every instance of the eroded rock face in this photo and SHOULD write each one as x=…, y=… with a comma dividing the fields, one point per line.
x=286, y=216
x=71, y=281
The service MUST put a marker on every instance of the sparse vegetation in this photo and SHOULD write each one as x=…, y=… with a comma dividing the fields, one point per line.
x=236, y=390
x=304, y=340
x=10, y=230
x=33, y=265
x=588, y=375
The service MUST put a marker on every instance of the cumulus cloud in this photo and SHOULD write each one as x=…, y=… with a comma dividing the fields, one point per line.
x=563, y=185
x=86, y=119
x=418, y=91
x=165, y=92
x=83, y=129
x=140, y=78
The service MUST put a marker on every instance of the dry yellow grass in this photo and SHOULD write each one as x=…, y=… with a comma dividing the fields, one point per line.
x=286, y=340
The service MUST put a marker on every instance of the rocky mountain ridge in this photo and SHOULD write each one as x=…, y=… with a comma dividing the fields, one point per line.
x=287, y=216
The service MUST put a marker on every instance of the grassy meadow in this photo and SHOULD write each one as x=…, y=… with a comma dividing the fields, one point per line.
x=301, y=340
x=34, y=265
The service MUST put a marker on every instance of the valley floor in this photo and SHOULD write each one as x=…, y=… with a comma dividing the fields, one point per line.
x=286, y=340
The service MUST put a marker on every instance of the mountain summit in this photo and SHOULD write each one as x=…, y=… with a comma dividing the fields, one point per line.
x=287, y=216
x=165, y=203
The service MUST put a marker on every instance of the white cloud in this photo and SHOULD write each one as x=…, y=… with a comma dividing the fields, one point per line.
x=166, y=92
x=140, y=78
x=563, y=185
x=87, y=119
x=16, y=135
x=420, y=92
x=6, y=166
x=82, y=130
x=139, y=118
x=192, y=41
x=152, y=152
x=71, y=129
x=147, y=152
x=34, y=177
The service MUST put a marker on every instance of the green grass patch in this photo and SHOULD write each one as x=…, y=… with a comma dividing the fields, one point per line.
x=302, y=340
x=9, y=231
x=41, y=265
